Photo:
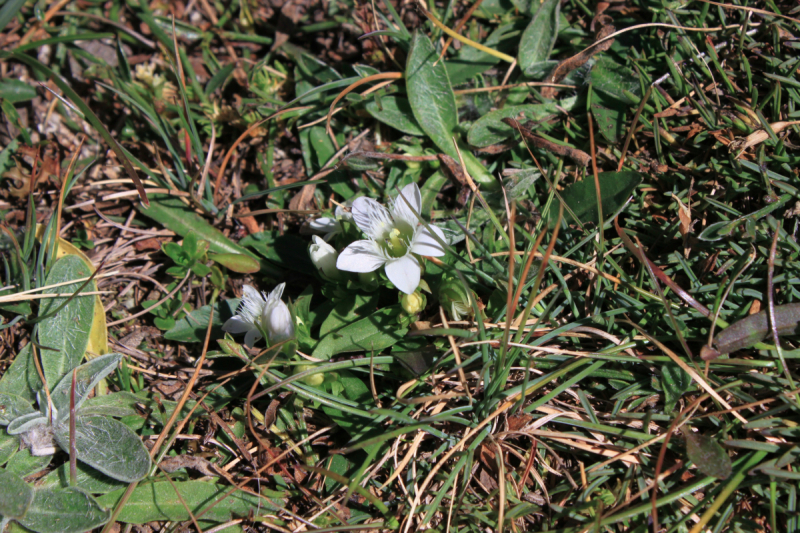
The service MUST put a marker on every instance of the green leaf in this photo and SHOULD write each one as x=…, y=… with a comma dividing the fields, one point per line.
x=611, y=121
x=241, y=263
x=675, y=382
x=64, y=511
x=16, y=91
x=470, y=61
x=63, y=337
x=165, y=501
x=286, y=251
x=397, y=113
x=21, y=378
x=490, y=128
x=26, y=422
x=24, y=464
x=710, y=458
x=9, y=444
x=192, y=328
x=539, y=37
x=9, y=11
x=107, y=445
x=348, y=310
x=717, y=230
x=87, y=479
x=16, y=496
x=376, y=332
x=613, y=79
x=88, y=375
x=13, y=406
x=434, y=104
x=581, y=196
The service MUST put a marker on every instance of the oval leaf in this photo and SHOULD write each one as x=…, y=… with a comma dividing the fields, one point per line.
x=87, y=376
x=429, y=92
x=375, y=332
x=396, y=112
x=490, y=128
x=109, y=446
x=64, y=335
x=168, y=501
x=709, y=457
x=64, y=511
x=243, y=264
x=16, y=496
x=581, y=196
x=12, y=407
x=540, y=36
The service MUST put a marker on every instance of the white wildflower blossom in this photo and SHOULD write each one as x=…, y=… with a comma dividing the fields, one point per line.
x=330, y=227
x=324, y=257
x=395, y=239
x=261, y=314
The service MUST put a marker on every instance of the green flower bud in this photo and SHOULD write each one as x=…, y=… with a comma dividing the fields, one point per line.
x=314, y=380
x=456, y=299
x=413, y=303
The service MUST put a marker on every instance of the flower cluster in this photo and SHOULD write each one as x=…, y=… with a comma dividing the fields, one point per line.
x=395, y=237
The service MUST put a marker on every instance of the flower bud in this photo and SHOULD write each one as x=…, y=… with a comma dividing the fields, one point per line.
x=324, y=257
x=456, y=299
x=413, y=303
x=277, y=322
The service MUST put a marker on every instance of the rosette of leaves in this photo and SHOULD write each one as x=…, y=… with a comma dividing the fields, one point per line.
x=44, y=419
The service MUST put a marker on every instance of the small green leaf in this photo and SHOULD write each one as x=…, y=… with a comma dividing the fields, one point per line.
x=540, y=36
x=675, y=382
x=285, y=251
x=21, y=378
x=16, y=91
x=9, y=444
x=376, y=332
x=243, y=264
x=717, y=230
x=192, y=328
x=13, y=406
x=87, y=376
x=490, y=128
x=348, y=310
x=87, y=479
x=168, y=501
x=63, y=511
x=107, y=445
x=396, y=112
x=710, y=458
x=63, y=337
x=581, y=196
x=15, y=497
x=24, y=464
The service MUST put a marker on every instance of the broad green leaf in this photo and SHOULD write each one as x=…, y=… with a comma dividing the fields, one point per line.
x=63, y=511
x=490, y=128
x=63, y=337
x=15, y=497
x=241, y=263
x=87, y=376
x=434, y=104
x=675, y=382
x=13, y=406
x=171, y=213
x=9, y=11
x=612, y=79
x=376, y=332
x=23, y=463
x=286, y=251
x=470, y=61
x=581, y=196
x=16, y=91
x=540, y=36
x=9, y=444
x=107, y=445
x=396, y=112
x=710, y=458
x=26, y=422
x=88, y=479
x=348, y=310
x=192, y=328
x=159, y=501
x=117, y=404
x=611, y=118
x=21, y=378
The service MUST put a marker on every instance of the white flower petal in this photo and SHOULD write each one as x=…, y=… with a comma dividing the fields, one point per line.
x=404, y=273
x=425, y=244
x=251, y=305
x=372, y=218
x=235, y=325
x=324, y=225
x=252, y=337
x=361, y=256
x=278, y=323
x=276, y=293
x=407, y=211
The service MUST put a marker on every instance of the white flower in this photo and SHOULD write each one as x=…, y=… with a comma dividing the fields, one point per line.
x=324, y=256
x=330, y=227
x=394, y=238
x=261, y=314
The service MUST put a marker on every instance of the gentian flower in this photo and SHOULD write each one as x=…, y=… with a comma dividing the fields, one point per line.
x=324, y=256
x=260, y=314
x=330, y=227
x=395, y=239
